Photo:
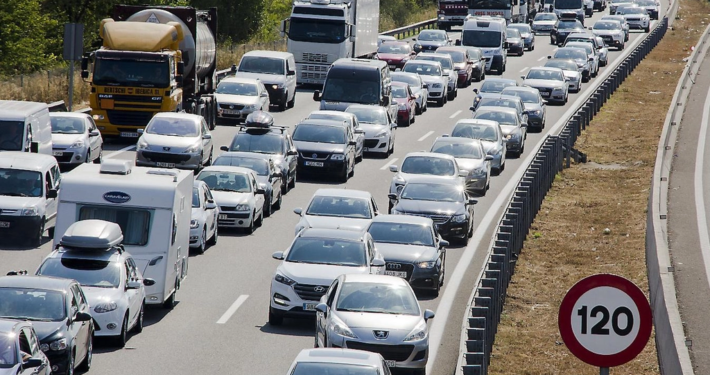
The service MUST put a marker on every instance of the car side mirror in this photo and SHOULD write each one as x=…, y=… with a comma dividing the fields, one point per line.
x=472, y=108
x=279, y=255
x=291, y=73
x=210, y=205
x=224, y=148
x=148, y=282
x=524, y=125
x=82, y=317
x=377, y=262
x=84, y=74
x=32, y=363
x=277, y=174
x=475, y=90
x=394, y=168
x=94, y=133
x=443, y=244
x=392, y=196
x=472, y=201
x=34, y=147
x=264, y=94
x=52, y=193
x=522, y=76
x=549, y=57
x=489, y=158
x=206, y=136
x=463, y=173
x=426, y=85
x=140, y=131
x=591, y=59
x=393, y=125
x=386, y=101
x=179, y=80
x=458, y=42
x=316, y=95
x=133, y=285
x=298, y=211
x=181, y=68
x=322, y=308
x=352, y=143
x=291, y=153
x=428, y=314
x=359, y=131
x=260, y=191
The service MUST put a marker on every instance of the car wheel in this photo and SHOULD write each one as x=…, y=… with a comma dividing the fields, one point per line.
x=352, y=171
x=85, y=365
x=343, y=177
x=139, y=324
x=267, y=208
x=407, y=122
x=99, y=158
x=203, y=241
x=441, y=102
x=282, y=105
x=250, y=228
x=277, y=205
x=435, y=292
x=292, y=102
x=451, y=95
x=215, y=236
x=170, y=302
x=274, y=319
x=418, y=109
x=123, y=336
x=36, y=240
x=70, y=364
x=292, y=183
x=209, y=160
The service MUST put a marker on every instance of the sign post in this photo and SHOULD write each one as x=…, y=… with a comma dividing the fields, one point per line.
x=73, y=49
x=605, y=320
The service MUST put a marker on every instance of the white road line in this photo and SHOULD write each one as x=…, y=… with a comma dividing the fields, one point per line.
x=127, y=148
x=232, y=309
x=698, y=182
x=555, y=49
x=454, y=115
x=394, y=160
x=425, y=136
x=524, y=69
x=542, y=58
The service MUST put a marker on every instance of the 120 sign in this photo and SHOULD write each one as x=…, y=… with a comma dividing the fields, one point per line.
x=600, y=327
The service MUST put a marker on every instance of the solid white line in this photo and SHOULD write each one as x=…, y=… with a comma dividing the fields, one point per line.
x=394, y=160
x=698, y=182
x=542, y=58
x=127, y=148
x=426, y=135
x=232, y=309
x=452, y=116
x=524, y=69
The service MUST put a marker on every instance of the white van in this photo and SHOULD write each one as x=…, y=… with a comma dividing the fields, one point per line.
x=488, y=34
x=28, y=192
x=25, y=126
x=153, y=208
x=277, y=70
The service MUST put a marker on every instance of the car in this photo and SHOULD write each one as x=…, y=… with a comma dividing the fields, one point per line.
x=175, y=140
x=600, y=5
x=565, y=27
x=622, y=20
x=513, y=130
x=471, y=158
x=406, y=103
x=382, y=39
x=544, y=23
x=378, y=127
x=516, y=44
x=277, y=72
x=592, y=55
x=526, y=34
x=439, y=166
x=19, y=352
x=203, y=221
x=636, y=16
x=504, y=101
x=599, y=47
x=447, y=64
x=463, y=64
x=492, y=87
x=91, y=252
x=327, y=360
x=325, y=149
x=478, y=63
x=618, y=3
x=339, y=209
x=603, y=50
x=351, y=121
x=376, y=313
x=433, y=75
x=238, y=195
x=396, y=54
x=270, y=140
x=314, y=259
x=588, y=8
x=418, y=87
x=491, y=137
x=533, y=103
x=430, y=40
x=75, y=138
x=268, y=176
x=611, y=32
x=59, y=313
x=412, y=248
x=550, y=82
x=569, y=68
x=237, y=97
x=579, y=57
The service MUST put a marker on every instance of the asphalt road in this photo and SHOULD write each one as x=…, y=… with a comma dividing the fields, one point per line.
x=190, y=340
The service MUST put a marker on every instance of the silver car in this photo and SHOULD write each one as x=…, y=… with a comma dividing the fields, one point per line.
x=526, y=33
x=351, y=121
x=550, y=82
x=75, y=138
x=338, y=209
x=533, y=103
x=341, y=361
x=238, y=195
x=471, y=158
x=612, y=33
x=544, y=22
x=370, y=312
x=447, y=64
x=268, y=175
x=513, y=130
x=569, y=68
x=377, y=127
x=418, y=86
x=203, y=221
x=433, y=75
x=637, y=17
x=622, y=20
x=237, y=97
x=423, y=163
x=491, y=137
x=175, y=140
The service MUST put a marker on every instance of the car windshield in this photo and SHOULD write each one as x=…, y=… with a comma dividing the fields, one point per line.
x=369, y=115
x=474, y=53
x=67, y=125
x=8, y=355
x=412, y=81
x=195, y=198
x=495, y=86
x=432, y=36
x=461, y=150
x=457, y=56
x=32, y=304
x=475, y=131
x=496, y=102
x=587, y=47
x=423, y=69
x=562, y=64
x=259, y=143
x=607, y=25
x=432, y=192
x=399, y=91
x=568, y=4
x=88, y=272
x=445, y=63
x=545, y=74
x=523, y=29
x=327, y=251
x=395, y=48
x=377, y=298
x=351, y=90
x=126, y=71
x=260, y=166
x=319, y=134
x=352, y=208
x=428, y=165
x=631, y=10
x=646, y=3
x=20, y=183
x=566, y=25
x=172, y=127
x=12, y=136
x=325, y=368
x=545, y=17
x=570, y=53
x=503, y=118
x=225, y=181
x=237, y=88
x=262, y=65
x=512, y=33
x=317, y=30
x=481, y=38
x=528, y=96
x=406, y=234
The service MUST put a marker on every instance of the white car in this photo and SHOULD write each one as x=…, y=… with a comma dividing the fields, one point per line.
x=592, y=55
x=377, y=126
x=237, y=97
x=622, y=20
x=637, y=17
x=429, y=163
x=75, y=138
x=447, y=64
x=544, y=22
x=611, y=32
x=550, y=82
x=433, y=75
x=346, y=361
x=238, y=195
x=90, y=252
x=203, y=222
x=338, y=209
x=315, y=258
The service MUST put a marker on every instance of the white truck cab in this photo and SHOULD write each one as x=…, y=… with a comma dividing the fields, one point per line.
x=25, y=126
x=488, y=34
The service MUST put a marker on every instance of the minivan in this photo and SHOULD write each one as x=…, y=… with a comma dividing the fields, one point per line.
x=25, y=126
x=276, y=70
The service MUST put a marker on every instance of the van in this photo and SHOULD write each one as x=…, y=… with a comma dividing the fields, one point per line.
x=356, y=81
x=152, y=206
x=25, y=126
x=565, y=8
x=277, y=70
x=28, y=203
x=488, y=34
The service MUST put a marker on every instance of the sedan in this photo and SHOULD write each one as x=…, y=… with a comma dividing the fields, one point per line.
x=418, y=87
x=516, y=44
x=513, y=130
x=325, y=149
x=470, y=158
x=569, y=68
x=564, y=28
x=19, y=354
x=533, y=103
x=618, y=4
x=237, y=97
x=447, y=64
x=622, y=20
x=337, y=209
x=550, y=82
x=175, y=140
x=378, y=314
x=332, y=360
x=268, y=175
x=378, y=127
x=611, y=32
x=350, y=121
x=238, y=195
x=430, y=40
x=491, y=137
x=637, y=17
x=433, y=75
x=544, y=23
x=436, y=166
x=579, y=57
x=463, y=64
x=478, y=63
x=492, y=86
x=203, y=221
x=395, y=54
x=75, y=138
x=406, y=103
x=526, y=34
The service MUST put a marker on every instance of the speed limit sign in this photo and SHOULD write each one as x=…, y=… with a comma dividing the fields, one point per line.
x=605, y=320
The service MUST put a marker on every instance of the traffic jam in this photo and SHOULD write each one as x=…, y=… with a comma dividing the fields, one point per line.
x=124, y=230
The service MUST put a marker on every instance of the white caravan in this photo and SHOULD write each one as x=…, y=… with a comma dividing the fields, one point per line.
x=25, y=126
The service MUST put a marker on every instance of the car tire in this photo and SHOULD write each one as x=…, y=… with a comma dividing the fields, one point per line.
x=213, y=240
x=352, y=171
x=407, y=123
x=441, y=102
x=291, y=103
x=85, y=365
x=275, y=319
x=36, y=239
x=139, y=324
x=418, y=109
x=647, y=29
x=100, y=158
x=277, y=205
x=343, y=176
x=122, y=337
x=291, y=184
x=169, y=303
x=250, y=228
x=267, y=208
x=282, y=105
x=203, y=241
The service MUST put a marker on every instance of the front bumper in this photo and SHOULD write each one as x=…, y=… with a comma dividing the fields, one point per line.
x=235, y=114
x=409, y=355
x=276, y=95
x=536, y=120
x=58, y=361
x=403, y=115
x=640, y=24
x=18, y=227
x=435, y=92
x=528, y=42
x=146, y=158
x=234, y=219
x=517, y=48
x=284, y=301
x=477, y=183
x=463, y=78
x=450, y=229
x=326, y=167
x=380, y=145
x=497, y=161
x=573, y=86
x=514, y=145
x=195, y=234
x=108, y=323
x=69, y=156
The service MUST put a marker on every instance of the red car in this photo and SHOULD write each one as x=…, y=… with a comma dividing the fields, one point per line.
x=406, y=103
x=396, y=54
x=463, y=63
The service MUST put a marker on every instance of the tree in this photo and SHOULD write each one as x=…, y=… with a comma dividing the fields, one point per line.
x=25, y=37
x=237, y=19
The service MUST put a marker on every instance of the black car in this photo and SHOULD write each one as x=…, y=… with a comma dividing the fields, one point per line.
x=444, y=201
x=325, y=148
x=59, y=314
x=565, y=27
x=19, y=352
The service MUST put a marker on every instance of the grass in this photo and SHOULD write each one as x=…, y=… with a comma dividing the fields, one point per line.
x=568, y=240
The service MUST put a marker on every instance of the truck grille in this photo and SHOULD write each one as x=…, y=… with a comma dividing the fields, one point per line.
x=135, y=118
x=308, y=292
x=389, y=352
x=160, y=157
x=315, y=57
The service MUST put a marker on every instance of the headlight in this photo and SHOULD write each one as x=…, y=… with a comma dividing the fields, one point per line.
x=558, y=89
x=77, y=144
x=337, y=157
x=105, y=307
x=194, y=148
x=98, y=117
x=44, y=347
x=417, y=46
x=194, y=223
x=142, y=145
x=426, y=264
x=418, y=333
x=242, y=207
x=402, y=107
x=479, y=171
x=381, y=134
x=274, y=87
x=458, y=218
x=283, y=279
x=339, y=328
x=537, y=112
x=29, y=211
x=395, y=212
x=436, y=86
x=58, y=345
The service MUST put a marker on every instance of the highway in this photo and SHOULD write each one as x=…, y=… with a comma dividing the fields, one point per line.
x=220, y=323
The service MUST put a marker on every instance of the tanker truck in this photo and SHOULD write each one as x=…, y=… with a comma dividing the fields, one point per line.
x=153, y=59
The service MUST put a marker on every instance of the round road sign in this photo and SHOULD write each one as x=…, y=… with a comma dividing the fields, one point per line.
x=605, y=320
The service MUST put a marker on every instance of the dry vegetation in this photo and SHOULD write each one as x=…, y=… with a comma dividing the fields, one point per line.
x=567, y=241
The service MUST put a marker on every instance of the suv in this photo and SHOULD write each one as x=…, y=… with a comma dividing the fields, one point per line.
x=276, y=70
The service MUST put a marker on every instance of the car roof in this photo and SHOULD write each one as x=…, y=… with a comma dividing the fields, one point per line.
x=526, y=88
x=434, y=180
x=332, y=113
x=265, y=53
x=18, y=109
x=546, y=68
x=375, y=108
x=10, y=326
x=179, y=115
x=70, y=114
x=477, y=121
x=339, y=355
x=245, y=154
x=403, y=219
x=431, y=54
x=397, y=83
x=452, y=49
x=375, y=279
x=227, y=168
x=584, y=35
x=238, y=79
x=501, y=95
x=395, y=42
x=36, y=282
x=321, y=122
x=336, y=233
x=426, y=62
x=345, y=193
x=358, y=63
x=570, y=49
x=428, y=154
x=504, y=80
x=400, y=73
x=457, y=140
x=26, y=161
x=497, y=109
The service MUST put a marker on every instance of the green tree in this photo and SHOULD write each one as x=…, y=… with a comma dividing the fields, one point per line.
x=238, y=20
x=25, y=42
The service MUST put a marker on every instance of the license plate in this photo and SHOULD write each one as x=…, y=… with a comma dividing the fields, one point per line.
x=545, y=93
x=129, y=134
x=57, y=153
x=393, y=66
x=231, y=111
x=396, y=273
x=309, y=307
x=4, y=224
x=390, y=363
x=165, y=165
x=222, y=217
x=313, y=163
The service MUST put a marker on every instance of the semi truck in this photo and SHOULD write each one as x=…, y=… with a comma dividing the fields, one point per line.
x=153, y=59
x=451, y=13
x=322, y=31
x=508, y=9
